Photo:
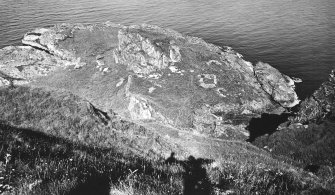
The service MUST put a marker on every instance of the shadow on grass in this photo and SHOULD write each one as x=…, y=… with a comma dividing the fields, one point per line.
x=195, y=178
x=93, y=169
x=40, y=147
x=97, y=184
x=43, y=143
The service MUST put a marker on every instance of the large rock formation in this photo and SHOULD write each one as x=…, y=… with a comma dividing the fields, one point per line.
x=150, y=75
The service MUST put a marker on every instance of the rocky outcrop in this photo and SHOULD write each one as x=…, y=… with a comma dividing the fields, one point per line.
x=21, y=64
x=321, y=104
x=142, y=56
x=148, y=74
x=272, y=81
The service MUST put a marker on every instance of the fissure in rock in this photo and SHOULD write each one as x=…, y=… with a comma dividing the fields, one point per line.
x=38, y=48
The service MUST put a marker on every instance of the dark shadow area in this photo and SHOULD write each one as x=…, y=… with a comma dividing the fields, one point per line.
x=34, y=33
x=34, y=138
x=40, y=147
x=171, y=159
x=312, y=168
x=267, y=124
x=195, y=177
x=94, y=173
x=97, y=184
x=103, y=116
x=43, y=141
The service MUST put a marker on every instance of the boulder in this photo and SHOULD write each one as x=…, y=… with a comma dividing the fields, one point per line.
x=149, y=74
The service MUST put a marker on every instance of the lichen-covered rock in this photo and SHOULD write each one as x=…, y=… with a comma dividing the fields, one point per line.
x=21, y=64
x=280, y=87
x=141, y=55
x=320, y=105
x=149, y=74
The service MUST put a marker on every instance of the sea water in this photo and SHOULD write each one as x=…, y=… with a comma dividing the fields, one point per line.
x=295, y=36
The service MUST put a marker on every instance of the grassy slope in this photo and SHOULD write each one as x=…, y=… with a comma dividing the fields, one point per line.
x=90, y=151
x=65, y=115
x=44, y=164
x=57, y=147
x=309, y=144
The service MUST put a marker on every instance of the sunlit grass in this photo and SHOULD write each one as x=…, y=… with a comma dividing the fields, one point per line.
x=52, y=144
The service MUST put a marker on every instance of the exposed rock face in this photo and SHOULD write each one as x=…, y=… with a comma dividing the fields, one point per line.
x=321, y=105
x=272, y=83
x=21, y=64
x=142, y=56
x=150, y=74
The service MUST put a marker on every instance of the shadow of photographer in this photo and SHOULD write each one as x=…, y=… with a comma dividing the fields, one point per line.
x=195, y=178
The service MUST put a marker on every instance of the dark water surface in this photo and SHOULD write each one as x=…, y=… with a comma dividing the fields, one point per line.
x=295, y=36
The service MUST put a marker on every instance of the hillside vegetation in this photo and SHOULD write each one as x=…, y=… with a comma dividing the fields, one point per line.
x=52, y=143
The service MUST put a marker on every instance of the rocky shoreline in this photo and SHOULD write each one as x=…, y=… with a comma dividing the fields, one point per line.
x=160, y=79
x=155, y=92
